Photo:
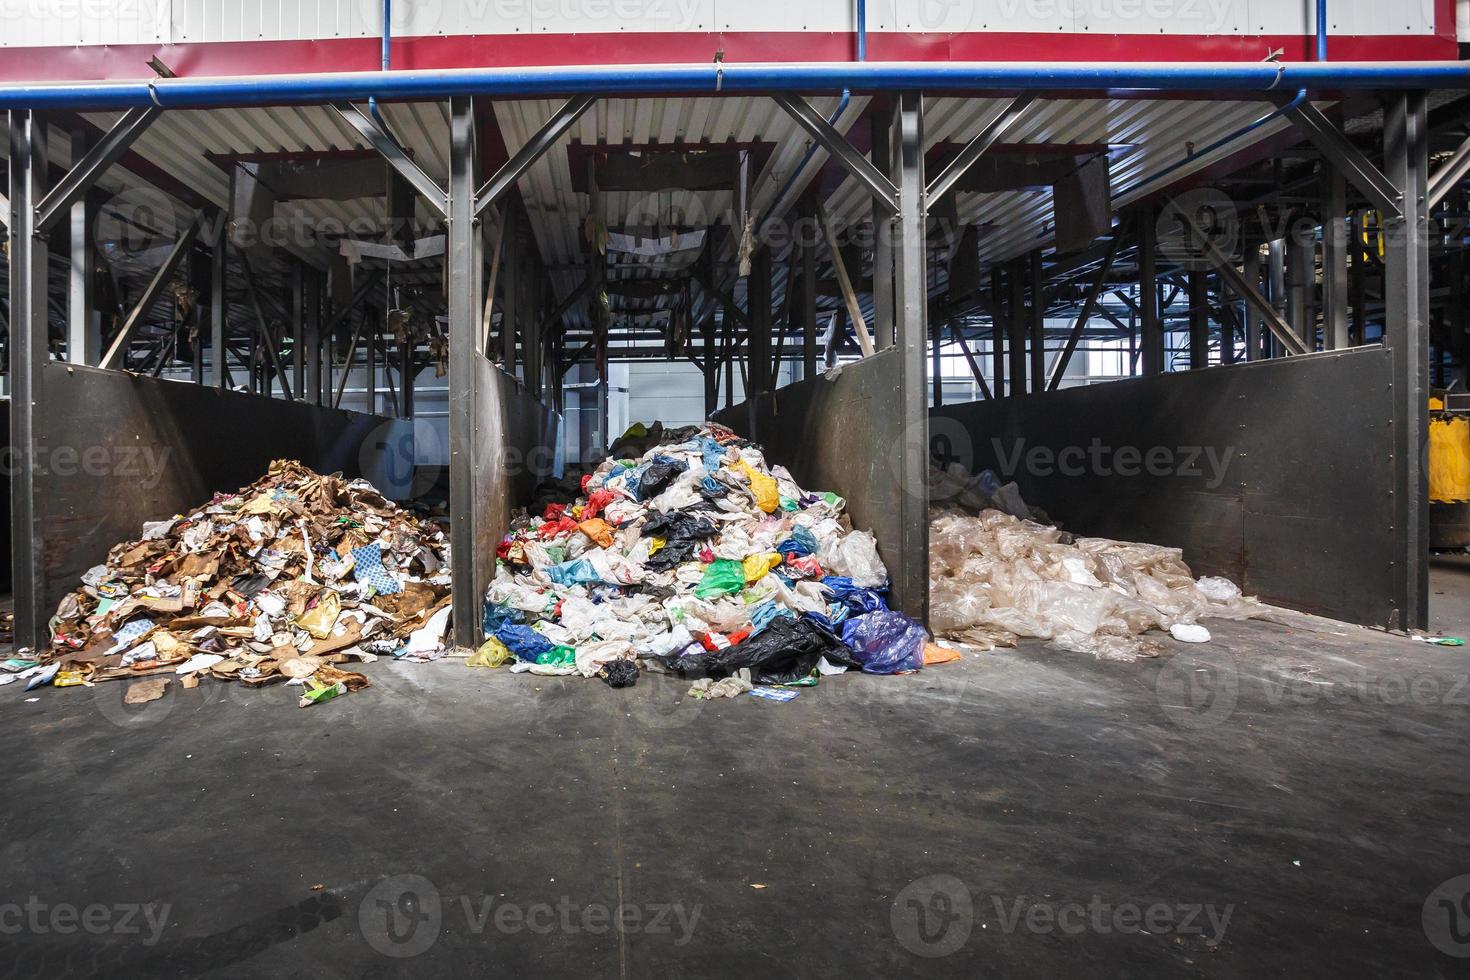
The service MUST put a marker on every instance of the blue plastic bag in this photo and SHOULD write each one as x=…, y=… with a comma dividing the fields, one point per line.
x=523, y=641
x=578, y=571
x=765, y=613
x=885, y=642
x=856, y=599
x=801, y=542
x=498, y=614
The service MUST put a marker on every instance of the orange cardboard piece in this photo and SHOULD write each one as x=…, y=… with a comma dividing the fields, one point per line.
x=936, y=654
x=144, y=691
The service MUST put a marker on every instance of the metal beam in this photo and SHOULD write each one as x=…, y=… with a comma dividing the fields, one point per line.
x=911, y=293
x=1334, y=261
x=1244, y=289
x=218, y=257
x=463, y=253
x=397, y=156
x=273, y=358
x=1406, y=333
x=1347, y=158
x=841, y=150
x=83, y=322
x=28, y=356
x=1151, y=330
x=808, y=295
x=512, y=169
x=959, y=337
x=1450, y=173
x=1088, y=304
x=159, y=282
x=844, y=282
x=991, y=133
x=84, y=172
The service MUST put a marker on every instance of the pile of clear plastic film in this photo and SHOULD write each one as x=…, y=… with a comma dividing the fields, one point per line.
x=996, y=578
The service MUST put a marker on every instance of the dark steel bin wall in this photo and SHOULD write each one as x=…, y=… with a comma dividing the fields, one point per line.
x=1280, y=472
x=116, y=450
x=516, y=449
x=843, y=435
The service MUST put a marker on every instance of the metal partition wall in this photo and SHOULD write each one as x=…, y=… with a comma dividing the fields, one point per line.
x=1278, y=475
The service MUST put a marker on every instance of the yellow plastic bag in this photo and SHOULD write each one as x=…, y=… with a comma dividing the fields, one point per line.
x=319, y=619
x=756, y=566
x=492, y=653
x=767, y=497
x=1449, y=460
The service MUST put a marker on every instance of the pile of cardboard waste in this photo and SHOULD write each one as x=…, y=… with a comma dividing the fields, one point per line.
x=686, y=553
x=281, y=582
x=999, y=572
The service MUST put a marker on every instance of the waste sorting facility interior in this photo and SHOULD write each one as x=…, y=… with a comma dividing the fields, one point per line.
x=454, y=227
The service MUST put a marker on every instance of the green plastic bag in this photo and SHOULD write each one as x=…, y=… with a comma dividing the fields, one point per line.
x=558, y=656
x=723, y=576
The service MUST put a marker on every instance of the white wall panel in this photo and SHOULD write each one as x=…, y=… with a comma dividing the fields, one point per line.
x=942, y=16
x=87, y=22
x=1169, y=17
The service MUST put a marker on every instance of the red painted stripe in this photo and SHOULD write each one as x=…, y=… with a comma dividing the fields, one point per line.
x=1444, y=22
x=520, y=50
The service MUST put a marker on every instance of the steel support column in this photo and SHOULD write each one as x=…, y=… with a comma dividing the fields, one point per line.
x=312, y=337
x=1016, y=322
x=1151, y=329
x=1038, y=323
x=464, y=310
x=883, y=231
x=1199, y=321
x=809, y=289
x=997, y=330
x=911, y=573
x=1334, y=260
x=84, y=323
x=28, y=355
x=218, y=314
x=1254, y=322
x=1406, y=303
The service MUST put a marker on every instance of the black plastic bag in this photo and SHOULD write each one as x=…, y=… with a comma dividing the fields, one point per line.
x=785, y=651
x=660, y=473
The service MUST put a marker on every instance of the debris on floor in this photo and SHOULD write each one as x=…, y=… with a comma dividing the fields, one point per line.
x=278, y=582
x=686, y=553
x=996, y=576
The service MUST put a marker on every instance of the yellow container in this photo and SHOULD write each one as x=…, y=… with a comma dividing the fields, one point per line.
x=1449, y=460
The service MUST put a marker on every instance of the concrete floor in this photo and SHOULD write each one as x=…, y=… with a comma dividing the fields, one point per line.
x=1279, y=801
x=1449, y=594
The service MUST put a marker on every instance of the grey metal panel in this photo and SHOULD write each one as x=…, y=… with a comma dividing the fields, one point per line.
x=846, y=435
x=518, y=443
x=1278, y=472
x=115, y=450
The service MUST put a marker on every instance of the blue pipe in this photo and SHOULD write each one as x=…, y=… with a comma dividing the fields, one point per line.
x=1321, y=30
x=387, y=61
x=633, y=80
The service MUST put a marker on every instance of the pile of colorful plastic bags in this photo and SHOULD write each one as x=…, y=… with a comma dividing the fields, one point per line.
x=695, y=558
